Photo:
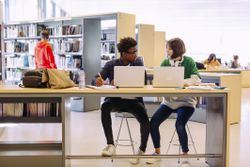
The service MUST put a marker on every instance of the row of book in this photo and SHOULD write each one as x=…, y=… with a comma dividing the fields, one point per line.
x=13, y=74
x=108, y=48
x=20, y=61
x=71, y=45
x=20, y=31
x=72, y=30
x=58, y=46
x=19, y=47
x=30, y=110
x=34, y=30
x=108, y=36
x=28, y=61
x=68, y=61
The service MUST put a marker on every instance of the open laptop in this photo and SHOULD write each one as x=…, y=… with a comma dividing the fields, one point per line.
x=168, y=77
x=129, y=76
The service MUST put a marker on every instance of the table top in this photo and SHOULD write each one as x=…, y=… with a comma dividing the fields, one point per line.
x=148, y=89
x=224, y=70
x=209, y=74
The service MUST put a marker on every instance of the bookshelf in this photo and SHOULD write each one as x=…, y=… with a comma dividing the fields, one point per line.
x=20, y=40
x=1, y=34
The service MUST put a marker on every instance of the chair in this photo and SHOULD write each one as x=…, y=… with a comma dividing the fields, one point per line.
x=124, y=116
x=191, y=139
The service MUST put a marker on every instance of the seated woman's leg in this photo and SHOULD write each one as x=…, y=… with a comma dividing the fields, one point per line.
x=183, y=115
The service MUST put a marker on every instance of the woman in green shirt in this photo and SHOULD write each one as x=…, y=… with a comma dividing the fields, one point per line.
x=183, y=106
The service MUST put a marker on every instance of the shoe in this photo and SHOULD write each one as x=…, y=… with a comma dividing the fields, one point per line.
x=153, y=160
x=185, y=164
x=136, y=161
x=109, y=150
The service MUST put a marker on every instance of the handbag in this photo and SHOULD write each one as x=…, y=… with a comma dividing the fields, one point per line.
x=34, y=79
x=58, y=79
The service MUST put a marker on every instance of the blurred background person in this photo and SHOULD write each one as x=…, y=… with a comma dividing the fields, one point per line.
x=235, y=62
x=211, y=61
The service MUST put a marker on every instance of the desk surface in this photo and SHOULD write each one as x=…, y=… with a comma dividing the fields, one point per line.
x=225, y=70
x=217, y=74
x=12, y=89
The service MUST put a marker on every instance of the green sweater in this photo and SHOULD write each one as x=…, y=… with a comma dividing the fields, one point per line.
x=188, y=64
x=189, y=69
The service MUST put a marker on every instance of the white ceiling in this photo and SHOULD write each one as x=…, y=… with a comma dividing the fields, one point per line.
x=229, y=12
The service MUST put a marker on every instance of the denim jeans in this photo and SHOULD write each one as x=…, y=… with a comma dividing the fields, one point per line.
x=161, y=114
x=134, y=107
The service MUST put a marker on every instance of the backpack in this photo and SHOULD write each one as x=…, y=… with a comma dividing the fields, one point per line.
x=34, y=79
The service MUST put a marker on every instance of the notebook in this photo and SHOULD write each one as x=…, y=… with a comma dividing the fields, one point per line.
x=129, y=76
x=169, y=77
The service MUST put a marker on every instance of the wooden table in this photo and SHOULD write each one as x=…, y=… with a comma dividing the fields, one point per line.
x=59, y=153
x=245, y=75
x=231, y=81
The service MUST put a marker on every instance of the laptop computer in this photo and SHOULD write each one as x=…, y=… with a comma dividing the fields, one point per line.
x=168, y=77
x=129, y=76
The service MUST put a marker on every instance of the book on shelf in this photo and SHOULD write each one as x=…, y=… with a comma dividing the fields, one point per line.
x=72, y=30
x=30, y=110
x=12, y=110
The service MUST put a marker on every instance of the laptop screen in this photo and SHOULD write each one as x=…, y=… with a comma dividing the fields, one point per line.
x=129, y=76
x=168, y=77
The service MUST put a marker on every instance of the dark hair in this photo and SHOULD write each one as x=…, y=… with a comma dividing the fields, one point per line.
x=44, y=34
x=211, y=57
x=125, y=44
x=236, y=57
x=178, y=47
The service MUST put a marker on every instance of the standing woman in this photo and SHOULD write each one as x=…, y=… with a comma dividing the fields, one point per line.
x=182, y=106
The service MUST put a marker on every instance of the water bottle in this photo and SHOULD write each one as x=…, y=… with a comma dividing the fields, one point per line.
x=81, y=75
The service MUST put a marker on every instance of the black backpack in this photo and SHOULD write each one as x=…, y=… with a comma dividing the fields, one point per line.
x=33, y=79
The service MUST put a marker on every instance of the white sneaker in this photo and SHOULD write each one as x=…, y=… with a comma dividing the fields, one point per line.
x=153, y=160
x=136, y=161
x=109, y=150
x=185, y=164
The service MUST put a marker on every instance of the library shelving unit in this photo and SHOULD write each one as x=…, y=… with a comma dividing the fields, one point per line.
x=145, y=37
x=76, y=43
x=1, y=14
x=20, y=40
x=108, y=42
x=112, y=30
x=160, y=47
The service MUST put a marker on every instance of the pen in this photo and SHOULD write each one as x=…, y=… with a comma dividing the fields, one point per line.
x=99, y=74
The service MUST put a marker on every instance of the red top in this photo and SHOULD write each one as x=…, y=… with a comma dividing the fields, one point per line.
x=44, y=57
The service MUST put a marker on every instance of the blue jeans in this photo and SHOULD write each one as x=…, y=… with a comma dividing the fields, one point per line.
x=161, y=114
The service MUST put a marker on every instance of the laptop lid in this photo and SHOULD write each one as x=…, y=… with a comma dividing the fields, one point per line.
x=129, y=76
x=168, y=77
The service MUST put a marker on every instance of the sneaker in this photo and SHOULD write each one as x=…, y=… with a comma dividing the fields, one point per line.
x=108, y=151
x=153, y=160
x=136, y=161
x=185, y=164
